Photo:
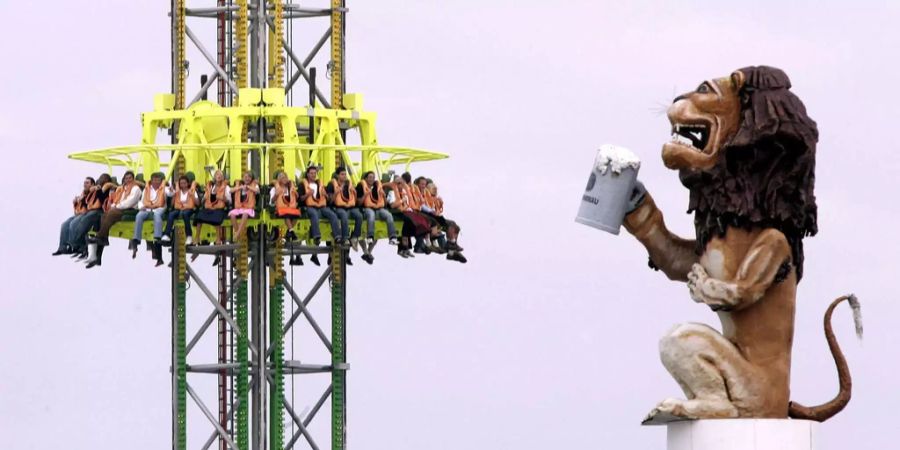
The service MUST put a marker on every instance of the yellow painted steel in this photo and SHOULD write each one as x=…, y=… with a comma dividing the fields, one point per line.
x=337, y=76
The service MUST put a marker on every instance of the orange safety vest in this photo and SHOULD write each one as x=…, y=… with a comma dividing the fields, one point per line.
x=220, y=197
x=189, y=204
x=120, y=193
x=415, y=197
x=160, y=197
x=78, y=206
x=368, y=200
x=340, y=199
x=318, y=199
x=91, y=202
x=438, y=205
x=250, y=203
x=285, y=201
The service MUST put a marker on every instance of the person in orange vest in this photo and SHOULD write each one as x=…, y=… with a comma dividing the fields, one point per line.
x=286, y=198
x=126, y=197
x=343, y=201
x=433, y=207
x=79, y=227
x=215, y=200
x=245, y=192
x=315, y=200
x=371, y=198
x=78, y=207
x=414, y=223
x=153, y=202
x=184, y=202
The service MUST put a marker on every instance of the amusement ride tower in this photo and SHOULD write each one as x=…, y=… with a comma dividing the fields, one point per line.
x=253, y=125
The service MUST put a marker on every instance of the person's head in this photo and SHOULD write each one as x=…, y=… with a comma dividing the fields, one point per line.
x=421, y=182
x=407, y=178
x=282, y=179
x=128, y=177
x=398, y=179
x=103, y=179
x=311, y=173
x=369, y=177
x=431, y=187
x=248, y=177
x=341, y=175
x=183, y=182
x=219, y=176
x=88, y=183
x=156, y=180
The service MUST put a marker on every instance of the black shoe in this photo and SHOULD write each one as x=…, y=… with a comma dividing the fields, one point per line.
x=457, y=257
x=291, y=236
x=62, y=251
x=329, y=260
x=315, y=259
x=349, y=261
x=296, y=261
x=133, y=246
x=217, y=260
x=368, y=258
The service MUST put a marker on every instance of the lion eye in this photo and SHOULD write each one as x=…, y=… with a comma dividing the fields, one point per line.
x=703, y=88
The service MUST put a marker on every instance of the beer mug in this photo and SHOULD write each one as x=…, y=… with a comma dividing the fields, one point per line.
x=605, y=200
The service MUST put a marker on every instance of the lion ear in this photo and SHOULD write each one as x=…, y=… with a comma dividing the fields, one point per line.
x=737, y=79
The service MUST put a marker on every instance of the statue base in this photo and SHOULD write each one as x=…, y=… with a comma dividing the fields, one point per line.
x=742, y=434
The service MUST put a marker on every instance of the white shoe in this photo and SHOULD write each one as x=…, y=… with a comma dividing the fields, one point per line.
x=92, y=253
x=188, y=241
x=354, y=242
x=166, y=238
x=393, y=241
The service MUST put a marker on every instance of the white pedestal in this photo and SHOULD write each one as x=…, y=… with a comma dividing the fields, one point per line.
x=742, y=434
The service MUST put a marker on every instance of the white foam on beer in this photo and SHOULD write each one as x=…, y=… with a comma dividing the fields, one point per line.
x=615, y=158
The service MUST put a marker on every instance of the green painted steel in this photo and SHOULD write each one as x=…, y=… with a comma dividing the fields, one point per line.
x=242, y=426
x=338, y=351
x=276, y=392
x=181, y=366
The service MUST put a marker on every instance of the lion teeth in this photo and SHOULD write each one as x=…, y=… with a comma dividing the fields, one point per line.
x=679, y=139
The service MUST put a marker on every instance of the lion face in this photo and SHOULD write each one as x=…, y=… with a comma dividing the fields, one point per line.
x=703, y=121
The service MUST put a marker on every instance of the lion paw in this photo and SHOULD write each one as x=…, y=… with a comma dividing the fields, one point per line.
x=717, y=294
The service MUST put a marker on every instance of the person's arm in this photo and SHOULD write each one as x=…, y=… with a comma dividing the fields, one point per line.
x=254, y=186
x=227, y=194
x=131, y=200
x=108, y=186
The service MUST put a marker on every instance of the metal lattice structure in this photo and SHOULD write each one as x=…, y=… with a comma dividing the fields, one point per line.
x=254, y=125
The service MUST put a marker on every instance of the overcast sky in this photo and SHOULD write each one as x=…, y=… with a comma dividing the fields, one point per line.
x=548, y=337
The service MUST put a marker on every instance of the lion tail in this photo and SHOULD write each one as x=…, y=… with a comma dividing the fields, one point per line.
x=824, y=411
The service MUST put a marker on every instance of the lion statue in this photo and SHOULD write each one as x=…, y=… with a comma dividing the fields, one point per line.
x=745, y=149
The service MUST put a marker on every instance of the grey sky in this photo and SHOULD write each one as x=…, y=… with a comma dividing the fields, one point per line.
x=547, y=338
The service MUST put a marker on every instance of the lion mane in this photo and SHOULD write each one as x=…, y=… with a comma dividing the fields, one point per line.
x=764, y=177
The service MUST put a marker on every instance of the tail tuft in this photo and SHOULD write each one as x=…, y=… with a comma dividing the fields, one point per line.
x=857, y=314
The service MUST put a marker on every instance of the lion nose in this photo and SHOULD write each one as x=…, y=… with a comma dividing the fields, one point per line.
x=680, y=97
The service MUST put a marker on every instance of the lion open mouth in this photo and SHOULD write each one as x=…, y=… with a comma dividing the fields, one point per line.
x=694, y=135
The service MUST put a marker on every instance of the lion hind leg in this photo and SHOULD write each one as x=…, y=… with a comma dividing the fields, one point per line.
x=707, y=367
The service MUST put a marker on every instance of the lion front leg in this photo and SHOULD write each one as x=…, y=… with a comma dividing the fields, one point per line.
x=758, y=270
x=712, y=373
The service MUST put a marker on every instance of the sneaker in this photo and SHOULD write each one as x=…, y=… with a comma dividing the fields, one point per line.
x=349, y=261
x=394, y=241
x=189, y=241
x=315, y=259
x=166, y=238
x=409, y=254
x=368, y=258
x=404, y=254
x=457, y=257
x=354, y=243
